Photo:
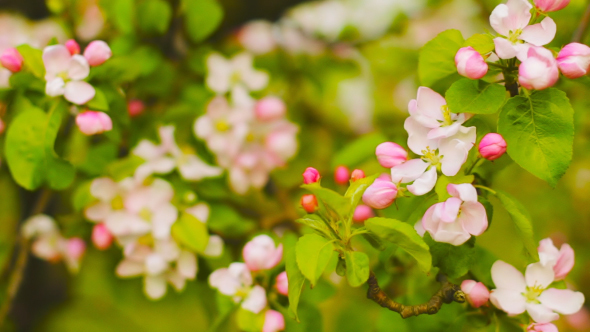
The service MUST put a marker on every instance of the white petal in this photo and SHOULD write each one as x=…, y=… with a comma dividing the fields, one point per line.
x=238, y=180
x=224, y=281
x=162, y=165
x=155, y=286
x=98, y=212
x=504, y=48
x=408, y=171
x=451, y=233
x=219, y=73
x=473, y=218
x=129, y=268
x=424, y=183
x=256, y=300
x=155, y=264
x=506, y=276
x=417, y=136
x=430, y=103
x=497, y=19
x=199, y=211
x=104, y=189
x=540, y=313
x=541, y=33
x=187, y=264
x=537, y=275
x=214, y=247
x=196, y=169
x=55, y=87
x=147, y=150
x=177, y=281
x=78, y=68
x=56, y=59
x=509, y=301
x=79, y=92
x=162, y=220
x=465, y=191
x=564, y=301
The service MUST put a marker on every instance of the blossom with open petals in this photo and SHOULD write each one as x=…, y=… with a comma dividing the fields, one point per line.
x=260, y=253
x=516, y=293
x=511, y=21
x=561, y=260
x=456, y=219
x=65, y=73
x=236, y=281
x=223, y=74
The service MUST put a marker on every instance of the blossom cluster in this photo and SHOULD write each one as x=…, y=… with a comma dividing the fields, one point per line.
x=237, y=280
x=249, y=137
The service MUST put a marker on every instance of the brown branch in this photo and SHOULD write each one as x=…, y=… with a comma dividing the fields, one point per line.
x=579, y=33
x=448, y=293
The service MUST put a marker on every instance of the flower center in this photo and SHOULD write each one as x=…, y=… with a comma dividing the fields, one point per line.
x=446, y=113
x=222, y=126
x=532, y=293
x=64, y=76
x=513, y=36
x=235, y=78
x=431, y=156
x=145, y=214
x=117, y=203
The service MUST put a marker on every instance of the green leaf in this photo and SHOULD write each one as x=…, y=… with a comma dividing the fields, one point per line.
x=475, y=96
x=202, y=18
x=99, y=102
x=294, y=275
x=313, y=254
x=454, y=261
x=437, y=58
x=357, y=268
x=443, y=181
x=337, y=205
x=191, y=232
x=33, y=60
x=522, y=222
x=480, y=42
x=154, y=16
x=121, y=13
x=539, y=132
x=226, y=221
x=82, y=196
x=29, y=148
x=317, y=223
x=404, y=236
x=249, y=321
x=10, y=212
x=374, y=241
x=357, y=188
x=124, y=167
x=27, y=81
x=482, y=266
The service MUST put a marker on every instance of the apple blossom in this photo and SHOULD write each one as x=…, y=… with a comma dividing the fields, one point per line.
x=538, y=69
x=167, y=156
x=282, y=283
x=470, y=63
x=257, y=37
x=311, y=175
x=542, y=327
x=260, y=253
x=97, y=52
x=574, y=60
x=309, y=203
x=270, y=108
x=223, y=75
x=12, y=60
x=380, y=194
x=477, y=293
x=101, y=237
x=551, y=5
x=492, y=146
x=135, y=107
x=390, y=154
x=64, y=74
x=273, y=321
x=93, y=122
x=362, y=212
x=459, y=217
x=357, y=174
x=72, y=46
x=511, y=21
x=236, y=281
x=516, y=293
x=341, y=174
x=562, y=260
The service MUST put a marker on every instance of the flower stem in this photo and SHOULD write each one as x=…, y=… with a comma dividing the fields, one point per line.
x=581, y=30
x=485, y=188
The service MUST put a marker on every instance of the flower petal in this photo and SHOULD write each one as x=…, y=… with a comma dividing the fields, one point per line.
x=465, y=191
x=56, y=59
x=540, y=313
x=79, y=92
x=196, y=169
x=537, y=275
x=155, y=286
x=564, y=301
x=504, y=48
x=509, y=301
x=541, y=33
x=424, y=183
x=506, y=276
x=78, y=68
x=473, y=218
x=417, y=136
x=256, y=300
x=408, y=171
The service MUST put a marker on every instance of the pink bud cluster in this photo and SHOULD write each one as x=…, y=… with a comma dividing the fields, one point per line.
x=383, y=192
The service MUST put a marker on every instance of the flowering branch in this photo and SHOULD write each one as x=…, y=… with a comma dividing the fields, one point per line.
x=448, y=293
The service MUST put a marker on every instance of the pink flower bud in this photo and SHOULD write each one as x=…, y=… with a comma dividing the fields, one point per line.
x=2, y=126
x=574, y=60
x=470, y=63
x=273, y=321
x=390, y=154
x=12, y=60
x=92, y=122
x=101, y=237
x=261, y=254
x=362, y=213
x=270, y=108
x=561, y=260
x=542, y=327
x=477, y=293
x=75, y=248
x=309, y=203
x=311, y=175
x=135, y=107
x=282, y=283
x=73, y=47
x=341, y=175
x=492, y=146
x=97, y=52
x=538, y=69
x=551, y=5
x=357, y=174
x=380, y=194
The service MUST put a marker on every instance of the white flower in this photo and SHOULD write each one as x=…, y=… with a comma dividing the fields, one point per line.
x=236, y=281
x=516, y=293
x=223, y=75
x=64, y=74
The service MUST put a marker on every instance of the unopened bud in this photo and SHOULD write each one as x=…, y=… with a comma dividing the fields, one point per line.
x=97, y=52
x=73, y=47
x=470, y=63
x=92, y=122
x=342, y=174
x=390, y=154
x=492, y=146
x=362, y=213
x=380, y=194
x=101, y=237
x=477, y=293
x=357, y=174
x=574, y=60
x=135, y=107
x=311, y=175
x=270, y=108
x=282, y=283
x=12, y=60
x=309, y=203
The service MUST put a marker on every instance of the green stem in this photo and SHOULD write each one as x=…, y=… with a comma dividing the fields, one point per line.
x=486, y=188
x=475, y=164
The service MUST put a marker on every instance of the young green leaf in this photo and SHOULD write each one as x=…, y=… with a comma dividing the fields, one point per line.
x=475, y=96
x=539, y=132
x=331, y=200
x=357, y=188
x=33, y=60
x=357, y=268
x=202, y=18
x=294, y=275
x=437, y=58
x=522, y=222
x=480, y=42
x=313, y=255
x=314, y=221
x=374, y=240
x=404, y=236
x=153, y=16
x=99, y=102
x=191, y=232
x=454, y=261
